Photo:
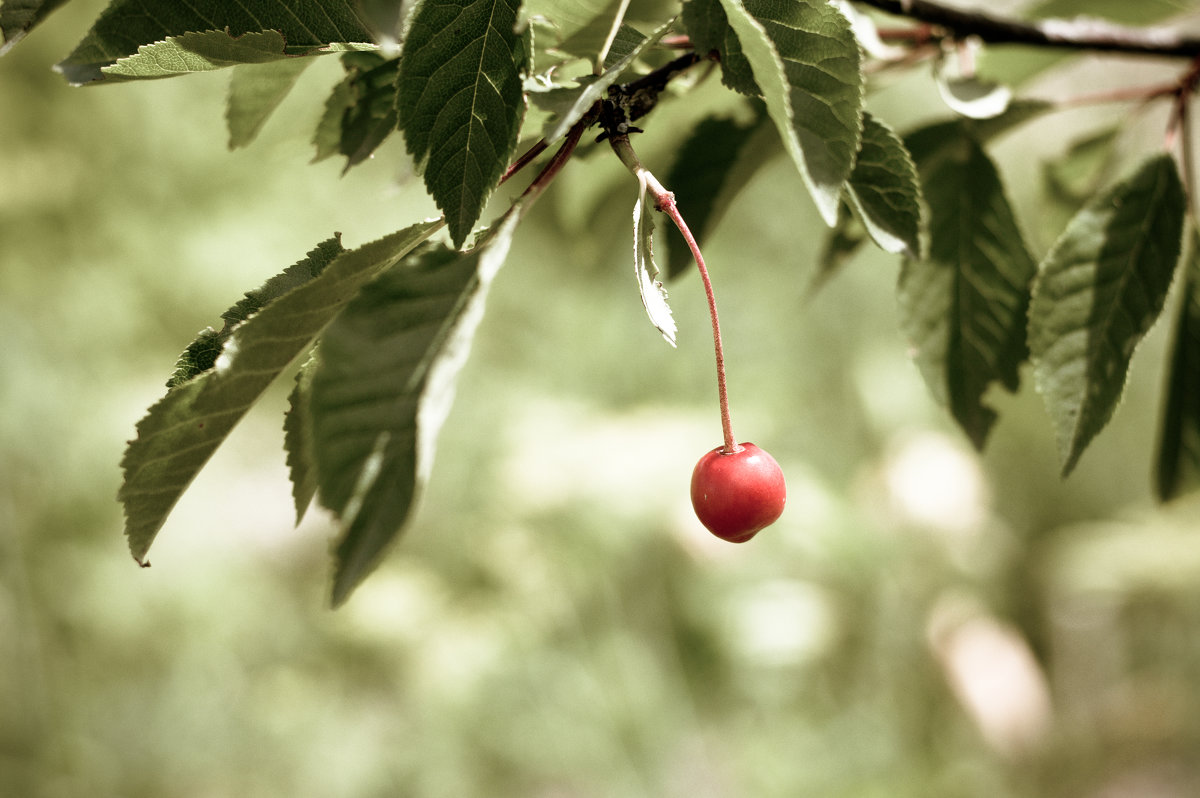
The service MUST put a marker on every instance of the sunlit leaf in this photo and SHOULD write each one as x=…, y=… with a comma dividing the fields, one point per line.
x=885, y=191
x=806, y=62
x=964, y=306
x=197, y=52
x=182, y=430
x=1098, y=291
x=654, y=296
x=255, y=91
x=383, y=385
x=127, y=25
x=18, y=17
x=460, y=101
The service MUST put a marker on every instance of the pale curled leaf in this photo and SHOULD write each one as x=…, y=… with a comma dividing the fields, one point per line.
x=182, y=430
x=963, y=307
x=654, y=296
x=1099, y=290
x=126, y=25
x=460, y=101
x=969, y=95
x=807, y=65
x=382, y=388
x=885, y=191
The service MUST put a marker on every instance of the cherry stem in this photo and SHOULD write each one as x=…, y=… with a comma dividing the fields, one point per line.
x=665, y=202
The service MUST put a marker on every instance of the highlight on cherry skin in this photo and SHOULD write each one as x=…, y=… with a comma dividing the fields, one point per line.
x=736, y=494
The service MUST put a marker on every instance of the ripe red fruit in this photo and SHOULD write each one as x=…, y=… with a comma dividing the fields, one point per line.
x=735, y=494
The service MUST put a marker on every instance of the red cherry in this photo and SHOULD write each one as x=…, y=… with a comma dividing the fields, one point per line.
x=735, y=494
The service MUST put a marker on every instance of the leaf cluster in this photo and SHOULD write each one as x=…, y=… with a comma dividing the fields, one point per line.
x=381, y=330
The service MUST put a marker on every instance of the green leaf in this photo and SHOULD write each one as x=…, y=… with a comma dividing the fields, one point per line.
x=383, y=387
x=708, y=28
x=654, y=296
x=571, y=17
x=18, y=17
x=127, y=25
x=255, y=91
x=712, y=166
x=885, y=191
x=182, y=430
x=461, y=102
x=577, y=101
x=361, y=111
x=964, y=306
x=1098, y=291
x=298, y=439
x=1179, y=439
x=202, y=354
x=806, y=62
x=197, y=52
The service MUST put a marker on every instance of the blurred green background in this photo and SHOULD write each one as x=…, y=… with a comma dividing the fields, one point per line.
x=921, y=622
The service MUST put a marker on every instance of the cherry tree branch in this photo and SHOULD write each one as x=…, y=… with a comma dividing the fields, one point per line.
x=1076, y=34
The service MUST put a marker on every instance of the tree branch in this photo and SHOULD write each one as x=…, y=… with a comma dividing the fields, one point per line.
x=1076, y=34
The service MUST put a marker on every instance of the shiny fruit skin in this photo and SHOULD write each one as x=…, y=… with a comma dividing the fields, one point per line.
x=739, y=493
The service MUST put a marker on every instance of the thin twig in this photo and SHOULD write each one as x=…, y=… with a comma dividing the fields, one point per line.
x=665, y=202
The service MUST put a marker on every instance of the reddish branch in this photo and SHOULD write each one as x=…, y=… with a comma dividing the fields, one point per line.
x=1076, y=34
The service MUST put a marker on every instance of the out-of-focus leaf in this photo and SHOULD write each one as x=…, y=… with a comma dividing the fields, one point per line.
x=360, y=112
x=885, y=191
x=182, y=430
x=806, y=62
x=127, y=25
x=1018, y=113
x=18, y=17
x=846, y=238
x=298, y=439
x=654, y=296
x=1178, y=468
x=384, y=17
x=964, y=306
x=1098, y=291
x=255, y=91
x=1073, y=176
x=718, y=158
x=460, y=101
x=569, y=18
x=383, y=385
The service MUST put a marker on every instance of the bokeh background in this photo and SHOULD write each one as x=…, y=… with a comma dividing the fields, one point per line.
x=923, y=621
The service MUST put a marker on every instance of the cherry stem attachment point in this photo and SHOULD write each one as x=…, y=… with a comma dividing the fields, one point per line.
x=665, y=202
